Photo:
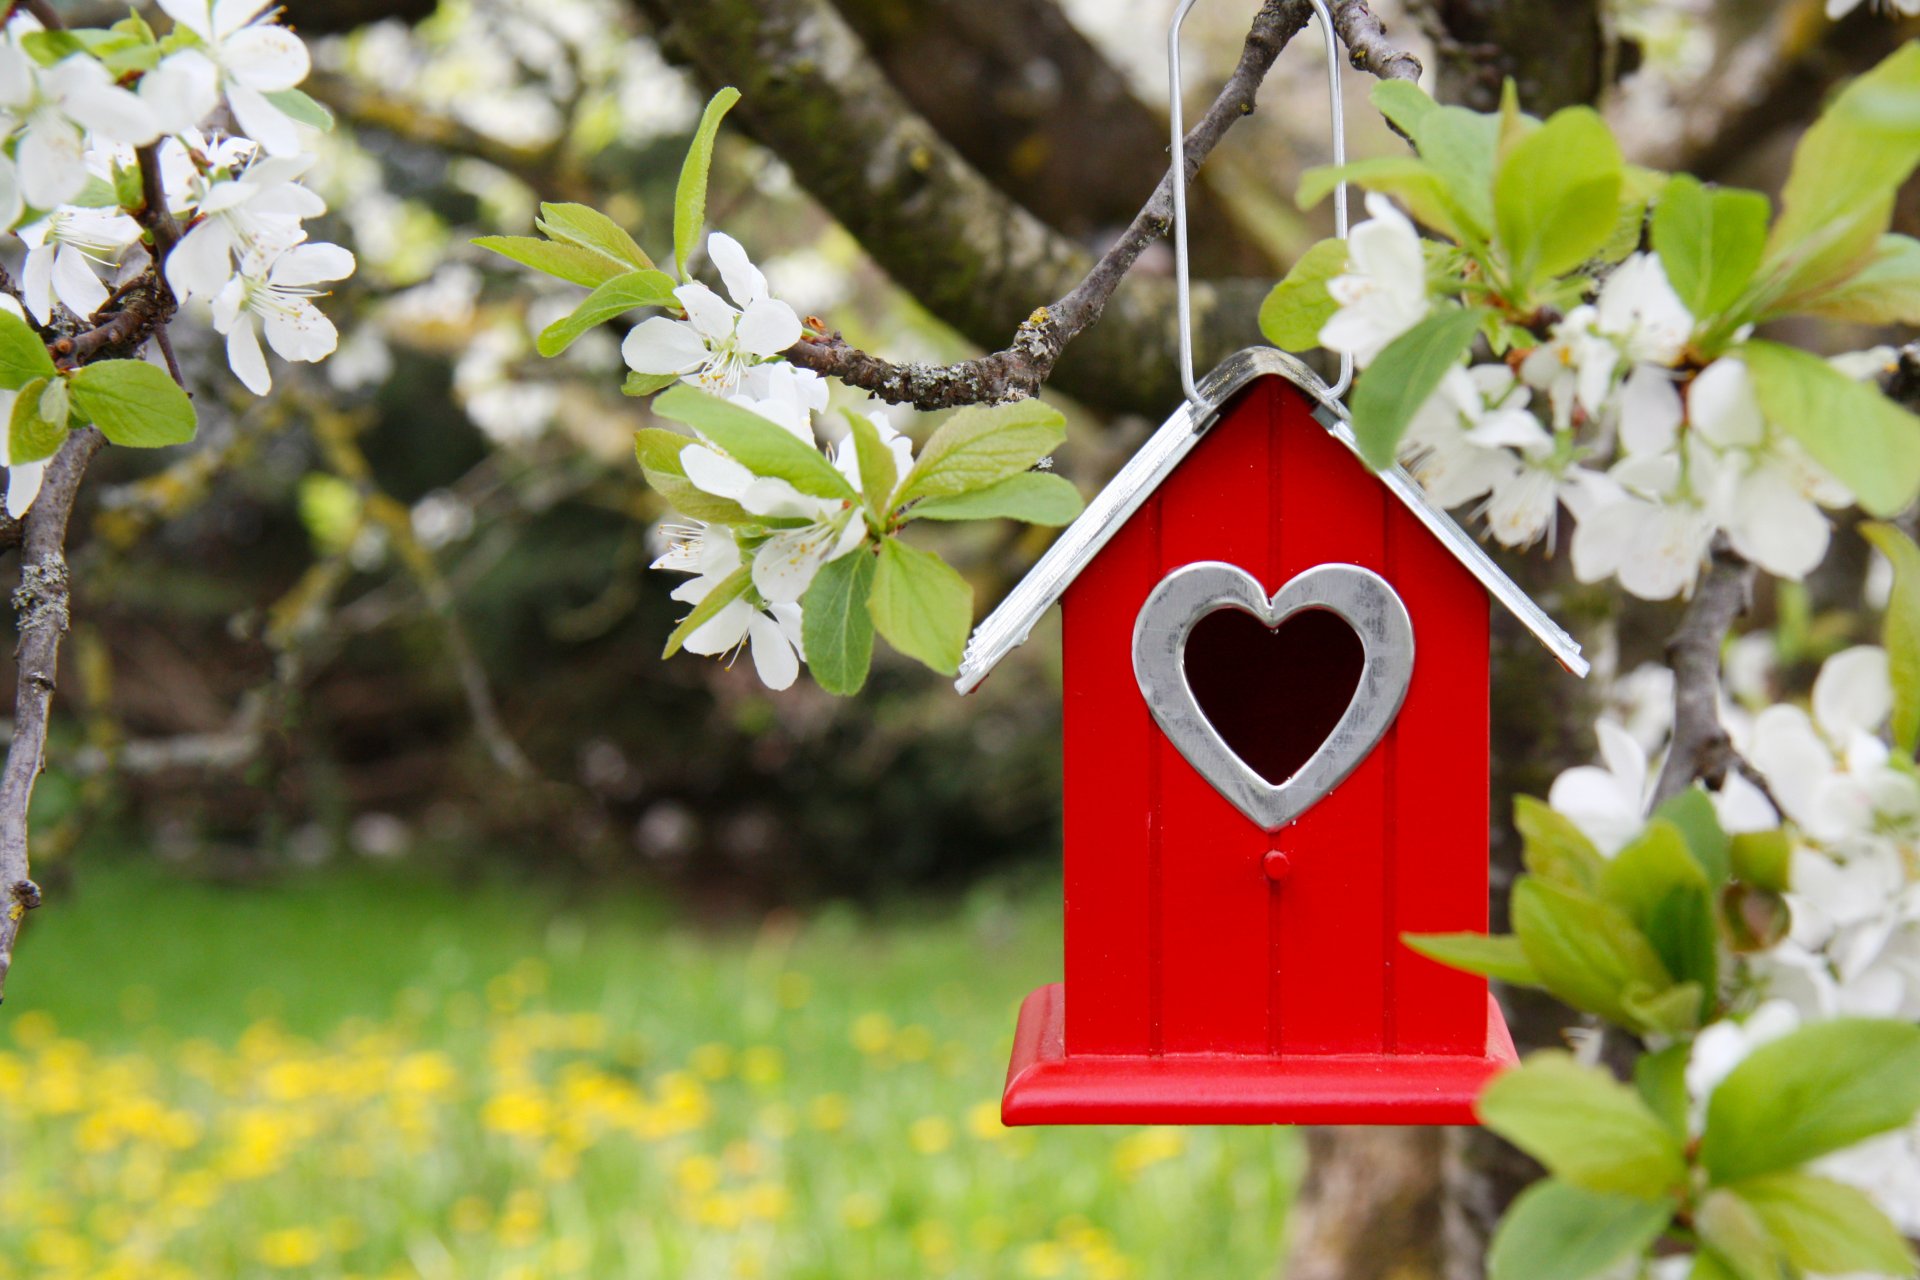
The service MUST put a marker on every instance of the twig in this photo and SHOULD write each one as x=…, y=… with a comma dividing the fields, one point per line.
x=41, y=606
x=1700, y=747
x=1018, y=371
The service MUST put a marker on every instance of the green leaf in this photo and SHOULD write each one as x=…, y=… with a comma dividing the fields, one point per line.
x=569, y=262
x=590, y=229
x=690, y=199
x=659, y=449
x=724, y=593
x=616, y=297
x=1300, y=306
x=301, y=108
x=1554, y=848
x=1587, y=1128
x=1664, y=891
x=982, y=446
x=1403, y=375
x=762, y=447
x=1693, y=814
x=1869, y=443
x=1413, y=182
x=1035, y=497
x=134, y=404
x=1661, y=1079
x=646, y=384
x=23, y=357
x=836, y=625
x=1821, y=1088
x=1463, y=148
x=921, y=605
x=1901, y=632
x=1559, y=1232
x=690, y=500
x=1827, y=1227
x=37, y=429
x=879, y=472
x=1557, y=195
x=1737, y=1239
x=1764, y=859
x=1838, y=197
x=1677, y=1011
x=1404, y=103
x=1500, y=958
x=659, y=455
x=1884, y=291
x=1710, y=242
x=1586, y=952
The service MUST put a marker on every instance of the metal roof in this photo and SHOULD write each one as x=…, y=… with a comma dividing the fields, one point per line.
x=1007, y=627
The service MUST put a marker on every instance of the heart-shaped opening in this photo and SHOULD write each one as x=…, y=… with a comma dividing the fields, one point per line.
x=1273, y=694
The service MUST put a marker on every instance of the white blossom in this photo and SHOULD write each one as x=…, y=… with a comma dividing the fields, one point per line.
x=63, y=251
x=278, y=294
x=1384, y=292
x=771, y=634
x=254, y=57
x=55, y=108
x=717, y=344
x=1607, y=802
x=255, y=212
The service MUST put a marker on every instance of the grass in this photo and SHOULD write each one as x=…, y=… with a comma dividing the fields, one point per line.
x=378, y=1075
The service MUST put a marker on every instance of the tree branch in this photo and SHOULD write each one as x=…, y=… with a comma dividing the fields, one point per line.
x=1700, y=748
x=1018, y=370
x=41, y=602
x=971, y=255
x=41, y=606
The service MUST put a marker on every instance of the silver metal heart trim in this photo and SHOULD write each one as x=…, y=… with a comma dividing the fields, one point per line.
x=1361, y=597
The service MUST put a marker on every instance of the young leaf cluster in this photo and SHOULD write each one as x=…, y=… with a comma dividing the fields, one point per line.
x=132, y=402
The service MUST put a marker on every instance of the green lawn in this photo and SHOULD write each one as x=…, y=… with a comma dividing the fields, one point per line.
x=360, y=1074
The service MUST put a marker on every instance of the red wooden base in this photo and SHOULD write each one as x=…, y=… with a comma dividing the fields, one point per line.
x=1045, y=1086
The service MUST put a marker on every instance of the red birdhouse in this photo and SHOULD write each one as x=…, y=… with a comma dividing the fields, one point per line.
x=1276, y=668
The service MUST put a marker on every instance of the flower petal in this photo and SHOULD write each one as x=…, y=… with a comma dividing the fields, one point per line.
x=722, y=631
x=248, y=361
x=1722, y=406
x=714, y=473
x=658, y=345
x=745, y=283
x=1853, y=692
x=23, y=486
x=773, y=658
x=1650, y=410
x=265, y=123
x=784, y=566
x=768, y=327
x=266, y=56
x=75, y=284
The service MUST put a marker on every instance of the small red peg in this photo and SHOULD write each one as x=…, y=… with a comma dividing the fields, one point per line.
x=1276, y=865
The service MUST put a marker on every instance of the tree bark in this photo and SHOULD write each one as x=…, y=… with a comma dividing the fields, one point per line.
x=1034, y=105
x=1555, y=51
x=1370, y=1206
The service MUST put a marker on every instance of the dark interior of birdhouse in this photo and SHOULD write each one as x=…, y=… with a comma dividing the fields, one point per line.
x=1273, y=694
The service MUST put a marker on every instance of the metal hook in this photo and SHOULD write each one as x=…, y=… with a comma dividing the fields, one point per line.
x=1184, y=279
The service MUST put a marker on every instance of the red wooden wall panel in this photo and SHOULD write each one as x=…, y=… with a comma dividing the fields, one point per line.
x=1176, y=941
x=1213, y=913
x=1109, y=750
x=1329, y=947
x=1441, y=801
